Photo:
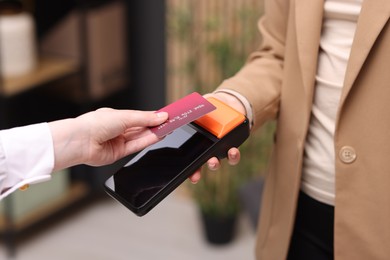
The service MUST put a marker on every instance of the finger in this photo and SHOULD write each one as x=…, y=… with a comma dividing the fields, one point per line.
x=234, y=156
x=146, y=118
x=137, y=144
x=194, y=178
x=135, y=118
x=213, y=164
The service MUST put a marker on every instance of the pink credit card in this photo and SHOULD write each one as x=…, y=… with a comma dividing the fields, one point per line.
x=182, y=112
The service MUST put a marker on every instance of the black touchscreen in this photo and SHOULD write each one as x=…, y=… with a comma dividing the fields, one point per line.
x=154, y=167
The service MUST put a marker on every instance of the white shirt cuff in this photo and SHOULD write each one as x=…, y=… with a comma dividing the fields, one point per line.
x=28, y=157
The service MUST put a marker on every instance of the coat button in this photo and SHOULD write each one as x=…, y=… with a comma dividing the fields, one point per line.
x=24, y=187
x=347, y=154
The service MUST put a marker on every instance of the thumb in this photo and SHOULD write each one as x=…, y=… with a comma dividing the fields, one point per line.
x=145, y=118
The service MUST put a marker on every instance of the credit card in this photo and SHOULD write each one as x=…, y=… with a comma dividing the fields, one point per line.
x=182, y=112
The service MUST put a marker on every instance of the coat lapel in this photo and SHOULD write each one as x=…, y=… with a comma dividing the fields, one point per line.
x=308, y=25
x=373, y=17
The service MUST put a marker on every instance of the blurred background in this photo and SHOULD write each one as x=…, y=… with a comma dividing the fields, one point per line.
x=61, y=58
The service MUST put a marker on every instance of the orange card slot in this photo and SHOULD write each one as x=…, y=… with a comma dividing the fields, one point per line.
x=222, y=120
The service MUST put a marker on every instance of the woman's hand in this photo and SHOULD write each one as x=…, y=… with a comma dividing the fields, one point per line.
x=214, y=164
x=103, y=136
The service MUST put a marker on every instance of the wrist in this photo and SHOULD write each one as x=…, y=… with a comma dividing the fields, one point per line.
x=67, y=143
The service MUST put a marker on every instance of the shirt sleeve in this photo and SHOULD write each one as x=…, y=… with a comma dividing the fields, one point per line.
x=26, y=157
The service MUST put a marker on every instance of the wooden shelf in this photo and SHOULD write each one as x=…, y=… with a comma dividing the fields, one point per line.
x=48, y=69
x=76, y=192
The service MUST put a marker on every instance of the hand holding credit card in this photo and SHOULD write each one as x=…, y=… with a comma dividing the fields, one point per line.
x=182, y=112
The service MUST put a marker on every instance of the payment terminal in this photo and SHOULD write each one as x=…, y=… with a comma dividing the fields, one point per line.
x=153, y=173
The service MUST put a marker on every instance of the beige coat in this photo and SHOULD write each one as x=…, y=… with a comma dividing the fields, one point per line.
x=279, y=82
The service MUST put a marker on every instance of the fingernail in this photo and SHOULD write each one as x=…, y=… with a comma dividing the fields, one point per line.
x=233, y=156
x=162, y=114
